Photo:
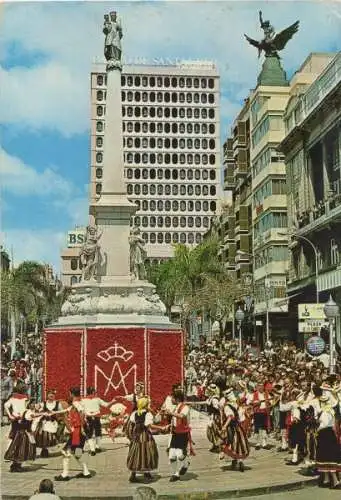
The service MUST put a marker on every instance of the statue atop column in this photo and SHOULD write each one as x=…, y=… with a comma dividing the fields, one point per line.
x=137, y=254
x=272, y=43
x=89, y=255
x=112, y=30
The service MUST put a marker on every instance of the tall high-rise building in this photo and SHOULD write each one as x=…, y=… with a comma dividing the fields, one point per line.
x=171, y=141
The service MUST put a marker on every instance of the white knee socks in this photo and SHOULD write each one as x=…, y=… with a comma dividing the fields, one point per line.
x=91, y=442
x=284, y=444
x=98, y=443
x=86, y=471
x=66, y=467
x=295, y=454
x=262, y=434
x=174, y=467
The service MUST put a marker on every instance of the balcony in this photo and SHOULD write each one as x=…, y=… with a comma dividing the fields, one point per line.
x=319, y=217
x=239, y=135
x=242, y=168
x=229, y=180
x=317, y=92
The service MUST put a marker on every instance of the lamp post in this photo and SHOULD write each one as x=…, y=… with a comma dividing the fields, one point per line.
x=267, y=292
x=267, y=295
x=239, y=318
x=299, y=237
x=331, y=310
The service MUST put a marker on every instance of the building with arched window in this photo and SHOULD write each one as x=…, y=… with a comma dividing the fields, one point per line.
x=171, y=145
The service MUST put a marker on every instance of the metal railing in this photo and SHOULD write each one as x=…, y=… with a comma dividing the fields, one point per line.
x=315, y=94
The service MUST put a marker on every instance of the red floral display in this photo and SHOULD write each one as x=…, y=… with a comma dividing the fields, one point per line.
x=113, y=359
x=62, y=361
x=165, y=363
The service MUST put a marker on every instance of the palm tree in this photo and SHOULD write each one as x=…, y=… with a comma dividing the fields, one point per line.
x=27, y=293
x=196, y=280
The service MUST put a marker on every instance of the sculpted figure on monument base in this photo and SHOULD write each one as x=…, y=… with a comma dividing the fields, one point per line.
x=89, y=255
x=137, y=254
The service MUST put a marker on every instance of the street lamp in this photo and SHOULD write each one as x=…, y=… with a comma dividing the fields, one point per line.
x=299, y=237
x=239, y=318
x=267, y=293
x=331, y=310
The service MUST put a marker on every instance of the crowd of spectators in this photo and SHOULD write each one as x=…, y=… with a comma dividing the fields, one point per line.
x=25, y=365
x=219, y=363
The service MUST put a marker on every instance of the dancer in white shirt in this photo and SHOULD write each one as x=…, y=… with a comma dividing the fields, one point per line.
x=92, y=409
x=328, y=452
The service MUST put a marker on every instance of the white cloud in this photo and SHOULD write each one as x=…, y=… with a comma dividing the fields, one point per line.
x=56, y=93
x=21, y=179
x=49, y=96
x=40, y=245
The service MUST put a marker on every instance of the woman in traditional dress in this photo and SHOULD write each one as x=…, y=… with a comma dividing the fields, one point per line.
x=21, y=414
x=235, y=441
x=143, y=455
x=213, y=432
x=133, y=398
x=46, y=431
x=328, y=452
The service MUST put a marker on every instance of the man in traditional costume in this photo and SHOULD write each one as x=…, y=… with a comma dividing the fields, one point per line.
x=297, y=428
x=260, y=402
x=75, y=445
x=181, y=438
x=92, y=405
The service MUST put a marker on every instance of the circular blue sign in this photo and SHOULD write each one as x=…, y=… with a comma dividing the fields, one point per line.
x=315, y=345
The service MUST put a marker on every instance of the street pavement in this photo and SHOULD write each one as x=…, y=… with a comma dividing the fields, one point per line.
x=208, y=477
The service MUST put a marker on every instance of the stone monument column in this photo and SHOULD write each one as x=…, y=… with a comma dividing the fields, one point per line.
x=113, y=210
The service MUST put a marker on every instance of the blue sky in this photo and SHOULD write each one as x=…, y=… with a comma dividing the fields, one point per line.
x=46, y=51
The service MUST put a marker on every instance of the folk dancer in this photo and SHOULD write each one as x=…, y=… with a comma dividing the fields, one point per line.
x=92, y=409
x=20, y=413
x=213, y=432
x=235, y=441
x=143, y=455
x=245, y=411
x=328, y=452
x=76, y=442
x=116, y=419
x=139, y=392
x=284, y=418
x=45, y=433
x=296, y=429
x=181, y=438
x=311, y=410
x=168, y=407
x=261, y=415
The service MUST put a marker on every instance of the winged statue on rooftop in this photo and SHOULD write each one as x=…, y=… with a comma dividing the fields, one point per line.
x=272, y=43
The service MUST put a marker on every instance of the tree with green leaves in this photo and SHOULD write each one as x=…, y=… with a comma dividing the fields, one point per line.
x=28, y=293
x=196, y=280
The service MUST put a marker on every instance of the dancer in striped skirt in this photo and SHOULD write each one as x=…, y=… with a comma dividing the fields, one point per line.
x=20, y=412
x=328, y=452
x=143, y=455
x=235, y=441
x=46, y=432
x=214, y=425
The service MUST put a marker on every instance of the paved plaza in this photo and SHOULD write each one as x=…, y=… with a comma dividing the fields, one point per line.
x=208, y=477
